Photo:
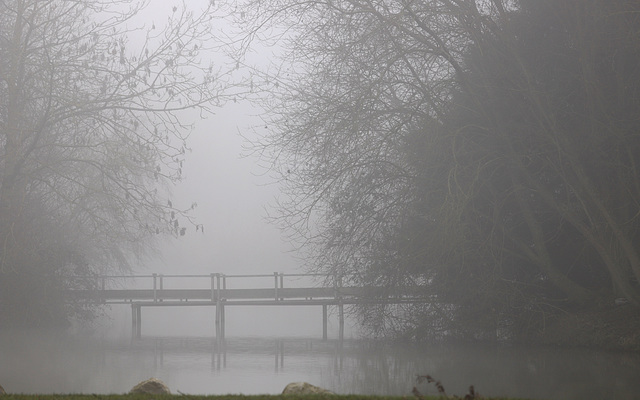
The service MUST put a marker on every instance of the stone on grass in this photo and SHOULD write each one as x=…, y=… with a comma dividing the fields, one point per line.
x=151, y=386
x=304, y=388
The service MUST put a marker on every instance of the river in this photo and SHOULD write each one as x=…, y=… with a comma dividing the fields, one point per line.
x=252, y=365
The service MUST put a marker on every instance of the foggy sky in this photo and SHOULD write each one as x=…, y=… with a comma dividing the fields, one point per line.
x=232, y=192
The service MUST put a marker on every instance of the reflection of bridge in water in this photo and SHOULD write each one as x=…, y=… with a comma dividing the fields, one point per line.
x=276, y=349
x=157, y=290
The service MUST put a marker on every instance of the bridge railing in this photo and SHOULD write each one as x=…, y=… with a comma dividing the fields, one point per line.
x=215, y=283
x=214, y=287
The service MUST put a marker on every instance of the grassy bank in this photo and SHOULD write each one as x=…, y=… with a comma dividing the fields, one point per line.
x=217, y=397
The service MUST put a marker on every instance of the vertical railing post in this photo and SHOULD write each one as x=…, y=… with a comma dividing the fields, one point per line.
x=155, y=288
x=213, y=287
x=219, y=306
x=161, y=285
x=275, y=276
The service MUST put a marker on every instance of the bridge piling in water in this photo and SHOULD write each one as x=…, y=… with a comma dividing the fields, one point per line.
x=341, y=321
x=136, y=320
x=324, y=322
x=220, y=320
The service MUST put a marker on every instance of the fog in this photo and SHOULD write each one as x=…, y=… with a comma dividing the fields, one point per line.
x=381, y=134
x=58, y=364
x=233, y=193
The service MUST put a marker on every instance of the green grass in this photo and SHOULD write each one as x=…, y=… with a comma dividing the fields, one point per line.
x=217, y=397
x=195, y=397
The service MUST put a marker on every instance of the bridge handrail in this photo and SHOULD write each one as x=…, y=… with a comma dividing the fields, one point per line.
x=217, y=290
x=194, y=276
x=218, y=280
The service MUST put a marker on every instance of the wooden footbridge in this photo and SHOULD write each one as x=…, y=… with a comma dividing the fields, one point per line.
x=158, y=290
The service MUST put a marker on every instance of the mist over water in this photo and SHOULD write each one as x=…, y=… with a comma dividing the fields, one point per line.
x=251, y=364
x=269, y=347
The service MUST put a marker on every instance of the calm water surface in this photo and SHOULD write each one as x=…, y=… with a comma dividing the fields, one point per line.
x=266, y=365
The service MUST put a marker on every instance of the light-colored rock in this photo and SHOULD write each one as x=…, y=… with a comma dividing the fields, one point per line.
x=151, y=386
x=304, y=388
x=2, y=391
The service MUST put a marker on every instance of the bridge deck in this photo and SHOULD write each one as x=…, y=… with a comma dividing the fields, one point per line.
x=218, y=295
x=309, y=295
x=130, y=295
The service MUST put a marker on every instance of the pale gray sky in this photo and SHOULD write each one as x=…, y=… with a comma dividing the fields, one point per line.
x=232, y=192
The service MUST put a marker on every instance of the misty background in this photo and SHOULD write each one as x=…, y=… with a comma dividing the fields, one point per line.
x=234, y=193
x=482, y=154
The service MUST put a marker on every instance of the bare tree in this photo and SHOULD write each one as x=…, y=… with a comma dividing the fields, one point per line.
x=360, y=75
x=484, y=147
x=92, y=131
x=362, y=78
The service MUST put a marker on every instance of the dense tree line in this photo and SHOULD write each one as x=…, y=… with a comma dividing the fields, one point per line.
x=487, y=150
x=91, y=135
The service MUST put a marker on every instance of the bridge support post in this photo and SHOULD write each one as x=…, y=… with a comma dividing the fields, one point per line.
x=219, y=320
x=341, y=320
x=324, y=322
x=222, y=322
x=136, y=321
